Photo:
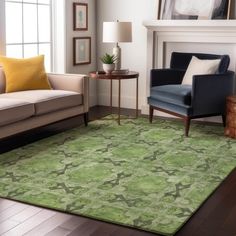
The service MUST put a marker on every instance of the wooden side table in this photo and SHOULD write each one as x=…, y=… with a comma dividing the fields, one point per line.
x=230, y=129
x=100, y=75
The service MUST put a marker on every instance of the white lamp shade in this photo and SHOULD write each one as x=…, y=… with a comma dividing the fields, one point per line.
x=115, y=32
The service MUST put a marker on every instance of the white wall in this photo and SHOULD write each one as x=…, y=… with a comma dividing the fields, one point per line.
x=59, y=36
x=82, y=69
x=133, y=54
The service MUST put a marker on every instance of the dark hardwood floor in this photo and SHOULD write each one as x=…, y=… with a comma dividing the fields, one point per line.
x=216, y=217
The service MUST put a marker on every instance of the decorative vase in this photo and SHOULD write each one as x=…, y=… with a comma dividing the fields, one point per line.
x=108, y=68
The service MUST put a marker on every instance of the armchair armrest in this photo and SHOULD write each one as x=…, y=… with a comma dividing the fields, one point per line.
x=166, y=76
x=209, y=92
x=71, y=82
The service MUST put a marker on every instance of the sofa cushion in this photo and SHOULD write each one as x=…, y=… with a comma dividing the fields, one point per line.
x=175, y=94
x=13, y=110
x=46, y=101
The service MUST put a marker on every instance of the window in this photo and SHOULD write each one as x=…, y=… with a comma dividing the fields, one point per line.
x=28, y=29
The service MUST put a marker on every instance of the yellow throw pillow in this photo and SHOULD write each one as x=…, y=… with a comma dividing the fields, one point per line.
x=24, y=74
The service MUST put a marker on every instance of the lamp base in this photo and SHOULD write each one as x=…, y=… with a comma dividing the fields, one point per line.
x=117, y=53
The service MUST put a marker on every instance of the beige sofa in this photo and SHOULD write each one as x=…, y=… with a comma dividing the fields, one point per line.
x=25, y=110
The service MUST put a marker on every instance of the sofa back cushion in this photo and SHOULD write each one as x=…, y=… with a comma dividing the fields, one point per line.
x=181, y=60
x=2, y=81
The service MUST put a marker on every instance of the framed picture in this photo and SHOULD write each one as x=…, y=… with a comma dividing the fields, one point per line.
x=82, y=50
x=159, y=9
x=192, y=9
x=222, y=9
x=80, y=16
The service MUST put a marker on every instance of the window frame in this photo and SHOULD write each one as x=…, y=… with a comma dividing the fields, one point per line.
x=37, y=42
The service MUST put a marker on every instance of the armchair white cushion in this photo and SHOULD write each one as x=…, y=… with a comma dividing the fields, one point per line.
x=200, y=67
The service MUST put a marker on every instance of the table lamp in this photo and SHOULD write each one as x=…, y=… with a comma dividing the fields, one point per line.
x=117, y=32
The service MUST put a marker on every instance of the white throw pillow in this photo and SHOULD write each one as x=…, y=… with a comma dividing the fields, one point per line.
x=200, y=67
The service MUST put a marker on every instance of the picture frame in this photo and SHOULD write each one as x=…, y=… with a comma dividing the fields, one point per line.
x=80, y=16
x=194, y=10
x=223, y=11
x=159, y=10
x=81, y=50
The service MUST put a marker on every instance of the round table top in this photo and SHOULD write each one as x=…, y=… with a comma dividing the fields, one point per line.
x=231, y=99
x=115, y=76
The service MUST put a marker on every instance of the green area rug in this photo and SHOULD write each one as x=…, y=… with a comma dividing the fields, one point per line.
x=147, y=176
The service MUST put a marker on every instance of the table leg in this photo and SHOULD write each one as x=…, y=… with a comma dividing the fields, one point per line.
x=119, y=101
x=137, y=97
x=111, y=96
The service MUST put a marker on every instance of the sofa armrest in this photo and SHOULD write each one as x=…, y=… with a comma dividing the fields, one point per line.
x=166, y=76
x=71, y=82
x=209, y=92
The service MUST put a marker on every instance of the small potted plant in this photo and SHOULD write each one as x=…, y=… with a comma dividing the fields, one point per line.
x=108, y=62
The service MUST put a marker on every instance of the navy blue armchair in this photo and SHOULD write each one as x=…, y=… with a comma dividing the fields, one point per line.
x=205, y=97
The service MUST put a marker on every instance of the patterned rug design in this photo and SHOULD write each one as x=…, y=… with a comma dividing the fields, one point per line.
x=147, y=176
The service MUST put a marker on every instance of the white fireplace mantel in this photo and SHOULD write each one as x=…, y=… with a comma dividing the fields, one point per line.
x=192, y=31
x=160, y=32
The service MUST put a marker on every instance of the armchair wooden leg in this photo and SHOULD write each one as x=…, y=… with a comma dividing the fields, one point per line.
x=150, y=114
x=224, y=120
x=86, y=119
x=187, y=121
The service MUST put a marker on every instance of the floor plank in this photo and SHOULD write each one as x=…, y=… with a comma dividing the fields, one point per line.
x=73, y=223
x=59, y=232
x=85, y=229
x=104, y=230
x=4, y=204
x=122, y=231
x=7, y=225
x=26, y=214
x=31, y=223
x=49, y=225
x=13, y=210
